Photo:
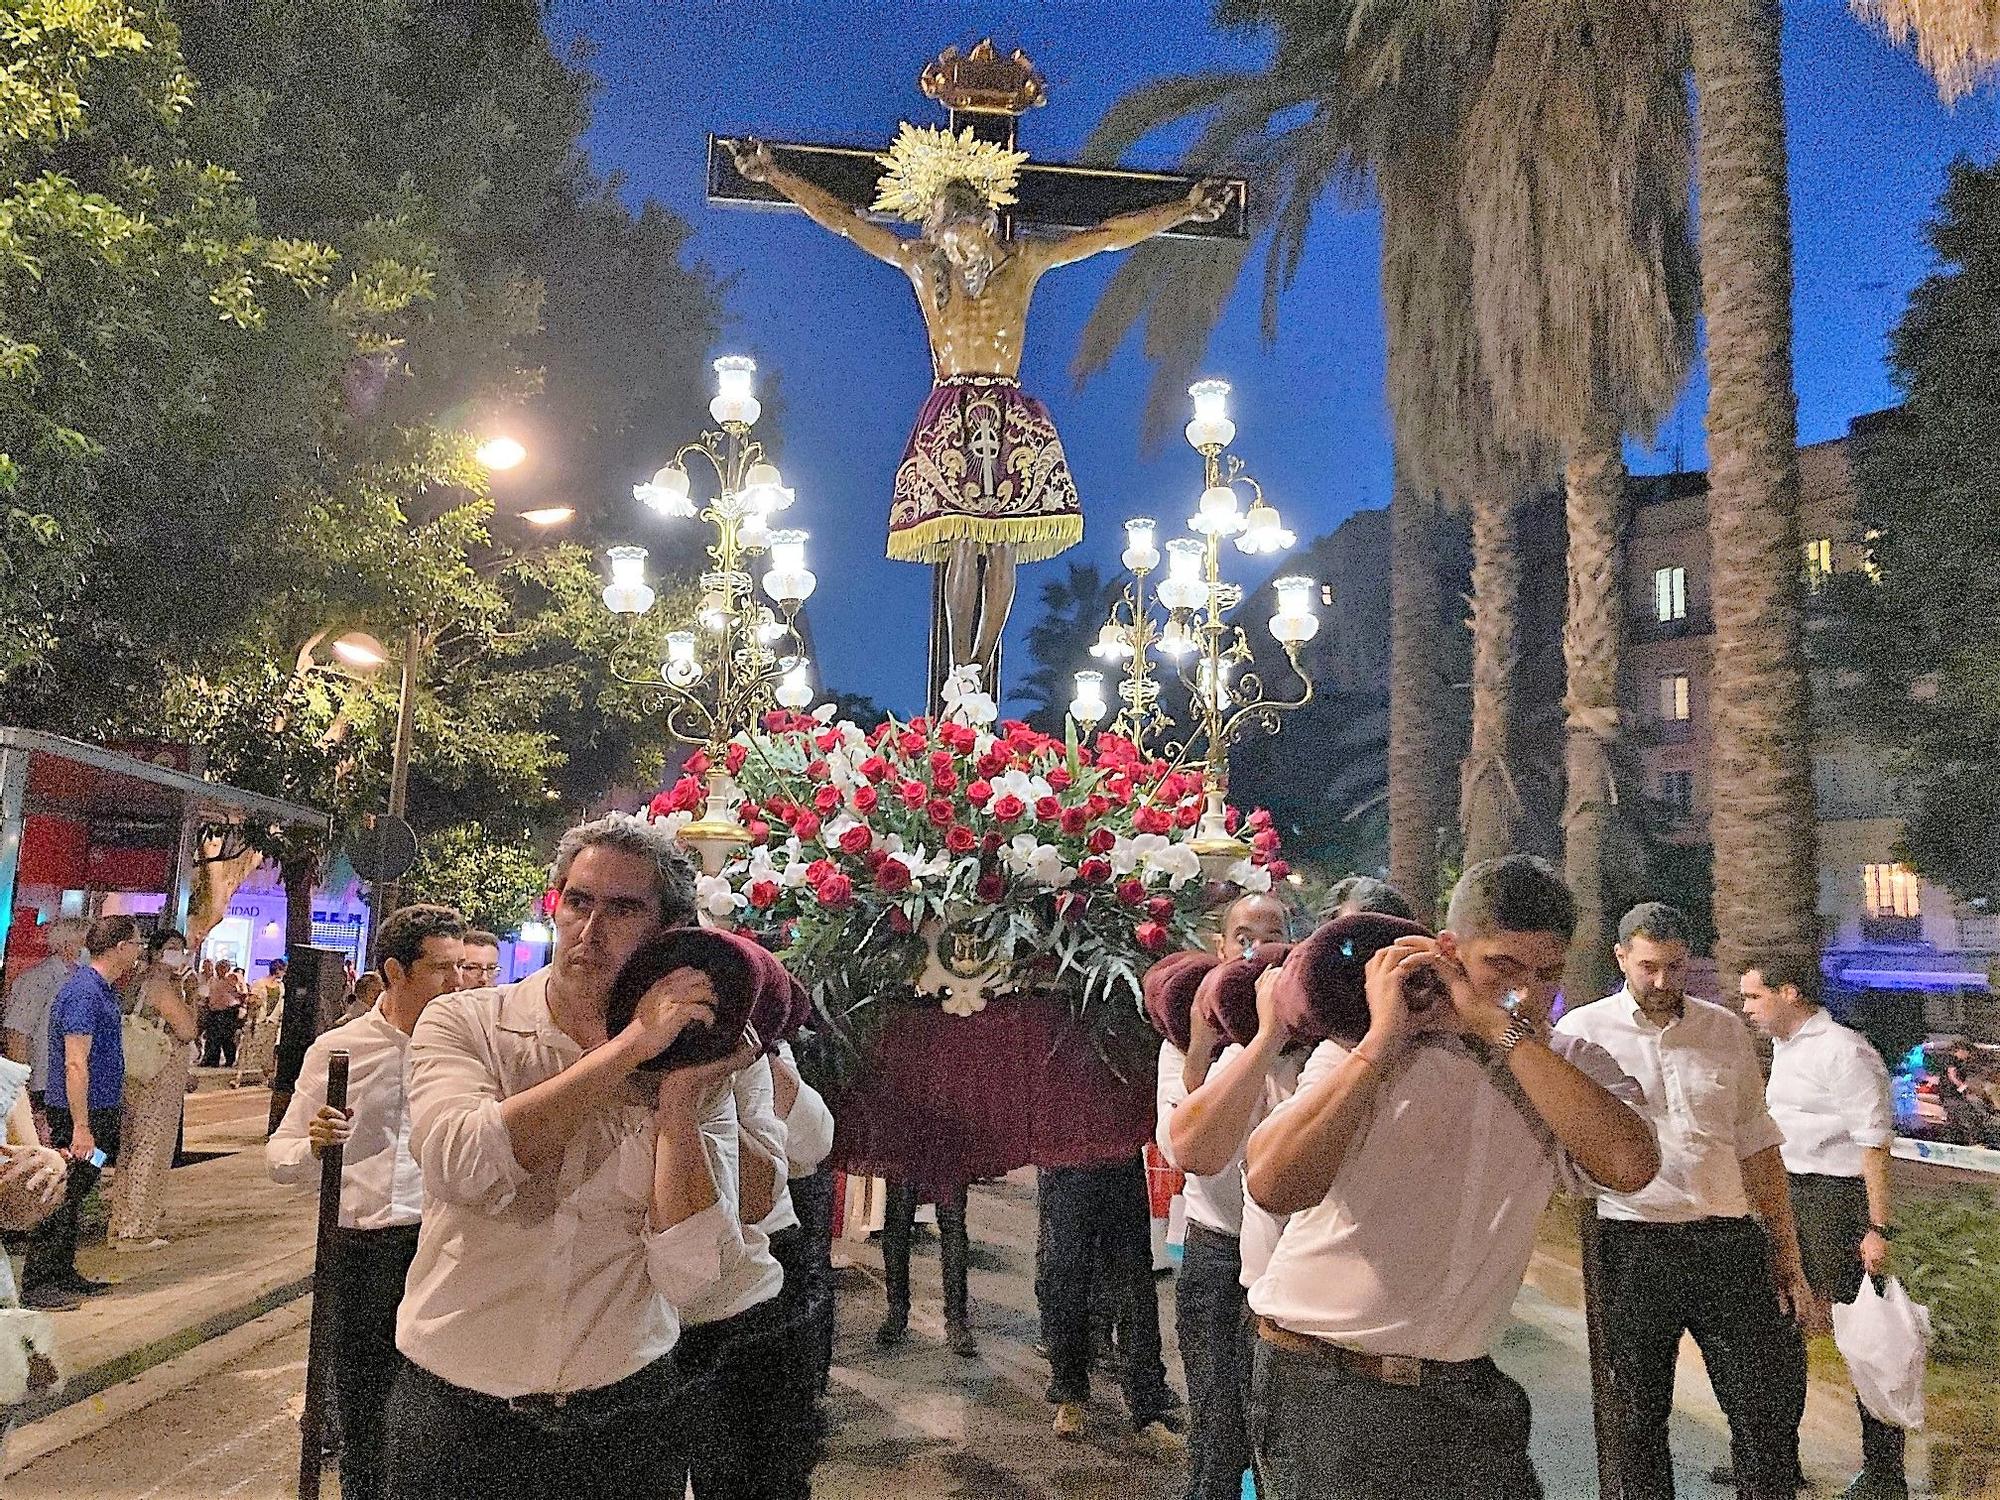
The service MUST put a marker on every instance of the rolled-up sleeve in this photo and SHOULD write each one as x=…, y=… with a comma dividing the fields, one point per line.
x=288, y=1154
x=808, y=1132
x=684, y=1261
x=1169, y=1091
x=1601, y=1068
x=457, y=1134
x=1755, y=1129
x=1867, y=1107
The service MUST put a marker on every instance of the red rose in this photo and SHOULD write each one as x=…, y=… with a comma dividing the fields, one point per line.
x=806, y=826
x=941, y=813
x=1160, y=909
x=920, y=725
x=696, y=764
x=856, y=840
x=836, y=892
x=944, y=779
x=940, y=760
x=759, y=831
x=827, y=798
x=819, y=869
x=1231, y=816
x=776, y=722
x=993, y=762
x=874, y=857
x=1121, y=790
x=962, y=738
x=826, y=739
x=1059, y=778
x=733, y=758
x=763, y=894
x=866, y=798
x=992, y=886
x=1152, y=820
x=960, y=840
x=1101, y=841
x=1008, y=808
x=1279, y=869
x=1188, y=814
x=1131, y=891
x=1015, y=728
x=1098, y=805
x=897, y=921
x=1265, y=841
x=912, y=742
x=1070, y=905
x=1048, y=809
x=816, y=770
x=892, y=876
x=874, y=768
x=1094, y=871
x=1075, y=820
x=914, y=793
x=990, y=844
x=979, y=793
x=1260, y=818
x=1152, y=937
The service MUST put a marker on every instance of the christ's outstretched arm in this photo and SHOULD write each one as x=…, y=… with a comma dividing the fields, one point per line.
x=755, y=162
x=1204, y=204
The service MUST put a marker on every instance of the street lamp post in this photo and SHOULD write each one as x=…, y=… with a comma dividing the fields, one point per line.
x=1227, y=698
x=744, y=657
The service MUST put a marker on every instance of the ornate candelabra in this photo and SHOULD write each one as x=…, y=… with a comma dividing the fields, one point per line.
x=745, y=656
x=1208, y=649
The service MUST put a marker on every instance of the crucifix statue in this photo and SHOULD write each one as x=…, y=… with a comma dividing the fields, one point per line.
x=983, y=484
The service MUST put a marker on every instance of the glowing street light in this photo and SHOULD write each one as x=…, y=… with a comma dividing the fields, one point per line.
x=500, y=452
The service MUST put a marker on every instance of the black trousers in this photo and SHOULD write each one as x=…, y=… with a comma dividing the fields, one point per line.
x=449, y=1443
x=218, y=1038
x=1083, y=1209
x=812, y=1197
x=1711, y=1278
x=365, y=1272
x=52, y=1252
x=1324, y=1432
x=1208, y=1314
x=748, y=1417
x=1832, y=1218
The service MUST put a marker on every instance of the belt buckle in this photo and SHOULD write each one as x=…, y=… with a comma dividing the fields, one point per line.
x=1401, y=1369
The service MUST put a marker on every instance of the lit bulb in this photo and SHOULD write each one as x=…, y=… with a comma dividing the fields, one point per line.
x=753, y=532
x=1175, y=639
x=713, y=613
x=666, y=492
x=764, y=488
x=1142, y=553
x=1088, y=706
x=795, y=687
x=1211, y=427
x=1263, y=531
x=628, y=592
x=735, y=400
x=1296, y=621
x=1183, y=587
x=1218, y=515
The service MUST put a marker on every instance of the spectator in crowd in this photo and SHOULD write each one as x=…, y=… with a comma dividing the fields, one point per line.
x=1251, y=920
x=381, y=1188
x=152, y=1114
x=566, y=1221
x=222, y=1015
x=361, y=998
x=24, y=1028
x=1707, y=1247
x=257, y=1047
x=1962, y=1094
x=1365, y=893
x=31, y=1186
x=86, y=1089
x=481, y=968
x=1416, y=1158
x=1829, y=1094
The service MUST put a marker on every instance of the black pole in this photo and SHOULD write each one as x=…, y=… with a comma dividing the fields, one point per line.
x=319, y=1340
x=1603, y=1392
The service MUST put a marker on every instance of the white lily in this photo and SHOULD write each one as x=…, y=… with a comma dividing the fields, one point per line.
x=966, y=701
x=714, y=895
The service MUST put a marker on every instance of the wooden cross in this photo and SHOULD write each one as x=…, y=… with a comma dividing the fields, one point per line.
x=986, y=93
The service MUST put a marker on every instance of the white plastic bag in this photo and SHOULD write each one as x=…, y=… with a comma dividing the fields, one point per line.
x=1882, y=1336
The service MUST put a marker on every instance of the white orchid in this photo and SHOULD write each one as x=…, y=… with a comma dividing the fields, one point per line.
x=1018, y=783
x=825, y=712
x=921, y=863
x=965, y=701
x=1040, y=862
x=714, y=895
x=674, y=822
x=1178, y=862
x=1253, y=878
x=1127, y=854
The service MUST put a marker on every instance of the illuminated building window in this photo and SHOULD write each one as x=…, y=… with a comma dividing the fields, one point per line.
x=1819, y=563
x=1674, y=697
x=1889, y=891
x=1670, y=594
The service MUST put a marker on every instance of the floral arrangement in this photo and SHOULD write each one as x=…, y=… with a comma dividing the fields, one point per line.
x=1059, y=866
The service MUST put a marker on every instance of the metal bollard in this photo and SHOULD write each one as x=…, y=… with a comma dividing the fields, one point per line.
x=319, y=1340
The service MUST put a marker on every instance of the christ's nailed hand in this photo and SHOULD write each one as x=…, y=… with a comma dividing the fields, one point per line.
x=753, y=159
x=1208, y=200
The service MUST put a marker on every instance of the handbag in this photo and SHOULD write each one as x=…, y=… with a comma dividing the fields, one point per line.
x=148, y=1047
x=1882, y=1336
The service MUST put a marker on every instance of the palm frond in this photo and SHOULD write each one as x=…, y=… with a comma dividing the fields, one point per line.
x=1957, y=41
x=1158, y=104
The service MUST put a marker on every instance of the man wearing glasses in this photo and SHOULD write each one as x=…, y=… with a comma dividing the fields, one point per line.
x=480, y=968
x=381, y=1187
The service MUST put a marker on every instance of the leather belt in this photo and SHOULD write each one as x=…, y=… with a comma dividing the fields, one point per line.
x=1384, y=1369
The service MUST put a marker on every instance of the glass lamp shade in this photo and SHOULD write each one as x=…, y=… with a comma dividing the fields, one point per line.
x=1263, y=531
x=628, y=592
x=1218, y=515
x=764, y=489
x=753, y=532
x=682, y=667
x=1175, y=639
x=789, y=581
x=1183, y=587
x=1296, y=622
x=1142, y=552
x=795, y=689
x=1211, y=427
x=1088, y=706
x=1111, y=644
x=713, y=612
x=735, y=382
x=666, y=492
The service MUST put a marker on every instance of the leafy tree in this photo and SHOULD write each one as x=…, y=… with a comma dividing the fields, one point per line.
x=1074, y=607
x=493, y=879
x=1919, y=636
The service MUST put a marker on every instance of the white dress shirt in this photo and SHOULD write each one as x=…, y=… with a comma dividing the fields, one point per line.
x=757, y=1115
x=380, y=1182
x=547, y=1281
x=1421, y=1243
x=808, y=1126
x=754, y=1276
x=1214, y=1202
x=1829, y=1094
x=1262, y=1229
x=27, y=1012
x=1704, y=1099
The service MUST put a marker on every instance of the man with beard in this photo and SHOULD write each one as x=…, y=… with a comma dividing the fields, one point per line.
x=1708, y=1246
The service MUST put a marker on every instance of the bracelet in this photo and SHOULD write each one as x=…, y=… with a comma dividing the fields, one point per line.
x=1520, y=1029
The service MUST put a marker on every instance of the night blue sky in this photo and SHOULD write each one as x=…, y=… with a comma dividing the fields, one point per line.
x=1869, y=147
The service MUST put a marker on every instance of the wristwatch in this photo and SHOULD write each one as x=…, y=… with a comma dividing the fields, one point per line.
x=1520, y=1029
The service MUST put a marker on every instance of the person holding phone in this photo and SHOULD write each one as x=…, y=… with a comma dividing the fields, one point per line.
x=86, y=1092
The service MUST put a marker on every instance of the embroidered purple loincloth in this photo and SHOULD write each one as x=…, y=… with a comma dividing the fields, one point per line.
x=983, y=464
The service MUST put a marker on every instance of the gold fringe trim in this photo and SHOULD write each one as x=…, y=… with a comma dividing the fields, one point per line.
x=1033, y=539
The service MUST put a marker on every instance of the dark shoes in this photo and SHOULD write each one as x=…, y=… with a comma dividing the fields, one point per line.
x=958, y=1338
x=1724, y=1477
x=51, y=1299
x=1872, y=1486
x=895, y=1329
x=83, y=1286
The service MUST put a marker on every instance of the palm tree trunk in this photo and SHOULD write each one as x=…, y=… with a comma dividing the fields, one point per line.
x=1762, y=827
x=1593, y=644
x=1419, y=700
x=1489, y=807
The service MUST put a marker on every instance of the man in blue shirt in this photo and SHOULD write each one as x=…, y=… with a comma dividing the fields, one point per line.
x=86, y=1085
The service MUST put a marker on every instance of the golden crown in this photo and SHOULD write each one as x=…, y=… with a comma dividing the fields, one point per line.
x=923, y=159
